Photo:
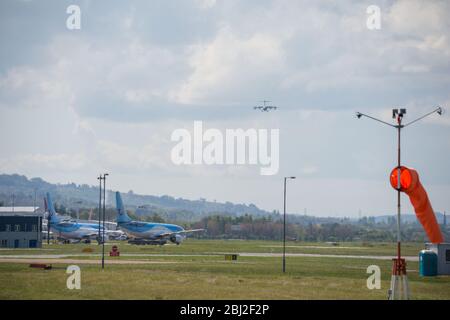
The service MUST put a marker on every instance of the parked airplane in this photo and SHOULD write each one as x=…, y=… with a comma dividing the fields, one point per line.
x=149, y=232
x=69, y=229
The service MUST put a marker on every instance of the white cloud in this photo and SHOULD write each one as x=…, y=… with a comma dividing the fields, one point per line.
x=309, y=170
x=94, y=80
x=205, y=4
x=418, y=18
x=30, y=87
x=59, y=162
x=228, y=64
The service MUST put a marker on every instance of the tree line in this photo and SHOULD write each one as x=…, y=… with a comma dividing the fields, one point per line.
x=267, y=228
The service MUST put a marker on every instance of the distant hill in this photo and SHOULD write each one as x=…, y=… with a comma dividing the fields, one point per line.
x=72, y=195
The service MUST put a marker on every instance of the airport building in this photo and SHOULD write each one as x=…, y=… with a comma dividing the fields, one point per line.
x=20, y=227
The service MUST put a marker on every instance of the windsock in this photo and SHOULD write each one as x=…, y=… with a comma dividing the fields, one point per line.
x=409, y=183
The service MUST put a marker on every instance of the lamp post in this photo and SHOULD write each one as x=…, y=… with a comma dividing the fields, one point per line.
x=48, y=220
x=100, y=178
x=104, y=214
x=284, y=224
x=399, y=269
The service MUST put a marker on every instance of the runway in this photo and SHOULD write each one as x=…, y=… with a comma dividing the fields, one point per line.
x=69, y=257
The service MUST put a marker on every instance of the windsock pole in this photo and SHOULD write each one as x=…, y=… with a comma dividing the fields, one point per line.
x=399, y=282
x=399, y=128
x=399, y=289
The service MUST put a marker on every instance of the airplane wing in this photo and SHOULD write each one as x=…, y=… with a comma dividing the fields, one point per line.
x=90, y=235
x=167, y=234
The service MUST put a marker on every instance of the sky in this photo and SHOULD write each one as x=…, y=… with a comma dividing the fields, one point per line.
x=108, y=96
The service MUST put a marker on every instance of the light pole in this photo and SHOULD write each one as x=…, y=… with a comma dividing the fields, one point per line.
x=284, y=224
x=399, y=268
x=48, y=220
x=100, y=178
x=104, y=214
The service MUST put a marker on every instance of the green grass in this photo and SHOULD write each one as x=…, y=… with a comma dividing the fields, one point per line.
x=193, y=246
x=211, y=277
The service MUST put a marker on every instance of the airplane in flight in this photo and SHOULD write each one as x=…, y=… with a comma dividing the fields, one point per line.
x=149, y=232
x=264, y=107
x=71, y=230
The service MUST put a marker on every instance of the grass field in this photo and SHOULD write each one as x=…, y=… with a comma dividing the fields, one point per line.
x=197, y=270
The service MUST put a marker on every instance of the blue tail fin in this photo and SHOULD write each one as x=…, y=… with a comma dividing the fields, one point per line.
x=52, y=215
x=122, y=215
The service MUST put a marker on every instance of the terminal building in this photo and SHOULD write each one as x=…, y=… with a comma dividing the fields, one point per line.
x=20, y=227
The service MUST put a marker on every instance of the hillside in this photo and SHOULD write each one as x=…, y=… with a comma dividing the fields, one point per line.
x=72, y=195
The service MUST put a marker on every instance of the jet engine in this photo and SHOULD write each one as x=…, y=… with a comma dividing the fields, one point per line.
x=177, y=238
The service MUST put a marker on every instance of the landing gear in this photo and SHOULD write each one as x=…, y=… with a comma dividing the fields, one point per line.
x=144, y=242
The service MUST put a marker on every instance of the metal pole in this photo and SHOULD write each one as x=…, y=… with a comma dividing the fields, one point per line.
x=399, y=192
x=39, y=228
x=103, y=232
x=48, y=223
x=284, y=228
x=99, y=208
x=284, y=224
x=104, y=214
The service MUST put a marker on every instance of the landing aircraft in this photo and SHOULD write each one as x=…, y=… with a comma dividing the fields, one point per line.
x=265, y=108
x=149, y=232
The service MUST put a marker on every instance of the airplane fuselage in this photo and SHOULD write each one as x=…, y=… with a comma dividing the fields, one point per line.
x=74, y=230
x=148, y=230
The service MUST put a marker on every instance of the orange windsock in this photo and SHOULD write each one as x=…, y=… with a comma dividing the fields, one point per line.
x=410, y=184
